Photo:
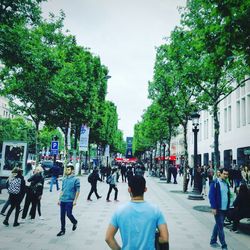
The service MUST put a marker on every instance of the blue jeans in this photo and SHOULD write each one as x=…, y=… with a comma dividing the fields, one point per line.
x=52, y=181
x=66, y=208
x=218, y=228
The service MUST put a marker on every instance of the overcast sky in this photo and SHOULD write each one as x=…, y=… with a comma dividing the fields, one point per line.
x=124, y=33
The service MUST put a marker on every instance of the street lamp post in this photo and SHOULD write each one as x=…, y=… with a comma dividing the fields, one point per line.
x=195, y=193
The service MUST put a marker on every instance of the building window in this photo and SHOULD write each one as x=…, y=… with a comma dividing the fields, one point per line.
x=206, y=159
x=237, y=93
x=238, y=114
x=225, y=102
x=225, y=120
x=229, y=118
x=248, y=108
x=200, y=132
x=243, y=111
x=229, y=99
x=248, y=86
x=205, y=123
x=243, y=90
x=228, y=158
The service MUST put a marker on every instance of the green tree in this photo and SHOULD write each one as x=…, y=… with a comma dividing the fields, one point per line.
x=17, y=129
x=216, y=67
x=30, y=82
x=15, y=17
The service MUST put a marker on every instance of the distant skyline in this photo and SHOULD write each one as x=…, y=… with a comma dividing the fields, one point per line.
x=125, y=35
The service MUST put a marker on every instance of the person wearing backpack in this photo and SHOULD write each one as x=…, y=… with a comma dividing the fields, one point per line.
x=112, y=185
x=36, y=185
x=7, y=203
x=92, y=179
x=16, y=189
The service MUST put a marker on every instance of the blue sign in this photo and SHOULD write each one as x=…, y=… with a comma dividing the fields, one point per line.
x=54, y=147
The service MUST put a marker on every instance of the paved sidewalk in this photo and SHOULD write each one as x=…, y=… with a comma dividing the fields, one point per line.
x=189, y=229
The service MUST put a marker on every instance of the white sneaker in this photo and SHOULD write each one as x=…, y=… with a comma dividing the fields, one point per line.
x=22, y=221
x=41, y=218
x=31, y=221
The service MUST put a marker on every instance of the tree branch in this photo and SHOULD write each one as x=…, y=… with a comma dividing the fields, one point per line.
x=241, y=83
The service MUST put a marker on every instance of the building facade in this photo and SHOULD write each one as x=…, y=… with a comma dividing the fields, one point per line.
x=234, y=138
x=4, y=108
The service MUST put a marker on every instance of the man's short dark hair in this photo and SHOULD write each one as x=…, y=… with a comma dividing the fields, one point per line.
x=137, y=183
x=70, y=165
x=223, y=169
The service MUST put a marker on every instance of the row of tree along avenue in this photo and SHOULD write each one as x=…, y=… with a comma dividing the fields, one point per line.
x=203, y=61
x=50, y=78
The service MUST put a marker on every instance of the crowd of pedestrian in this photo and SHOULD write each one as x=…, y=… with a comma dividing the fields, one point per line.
x=29, y=189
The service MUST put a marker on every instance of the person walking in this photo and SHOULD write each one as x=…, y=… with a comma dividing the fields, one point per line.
x=36, y=186
x=68, y=198
x=237, y=177
x=112, y=185
x=124, y=172
x=16, y=189
x=241, y=207
x=245, y=173
x=54, y=176
x=137, y=221
x=219, y=198
x=7, y=203
x=186, y=178
x=28, y=195
x=92, y=179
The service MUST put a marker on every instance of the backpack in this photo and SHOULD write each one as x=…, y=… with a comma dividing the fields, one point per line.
x=37, y=188
x=109, y=179
x=90, y=178
x=14, y=186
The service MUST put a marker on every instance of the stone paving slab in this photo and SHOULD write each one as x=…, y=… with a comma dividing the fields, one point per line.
x=189, y=229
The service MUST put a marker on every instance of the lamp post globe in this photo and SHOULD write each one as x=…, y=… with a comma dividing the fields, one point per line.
x=195, y=195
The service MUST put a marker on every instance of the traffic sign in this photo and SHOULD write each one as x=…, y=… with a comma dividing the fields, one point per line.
x=54, y=147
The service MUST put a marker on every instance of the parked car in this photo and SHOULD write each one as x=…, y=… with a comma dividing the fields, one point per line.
x=47, y=165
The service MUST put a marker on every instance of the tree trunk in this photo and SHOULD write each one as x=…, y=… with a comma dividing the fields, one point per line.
x=167, y=162
x=216, y=137
x=37, y=142
x=65, y=130
x=75, y=146
x=80, y=163
x=169, y=145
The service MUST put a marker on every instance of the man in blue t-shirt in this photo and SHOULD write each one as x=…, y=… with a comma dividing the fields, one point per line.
x=137, y=221
x=68, y=197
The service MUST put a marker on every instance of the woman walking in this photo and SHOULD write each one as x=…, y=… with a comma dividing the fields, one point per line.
x=112, y=185
x=16, y=189
x=36, y=186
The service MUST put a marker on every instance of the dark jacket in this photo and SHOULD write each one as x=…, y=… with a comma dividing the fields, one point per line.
x=242, y=203
x=36, y=184
x=94, y=177
x=55, y=171
x=215, y=195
